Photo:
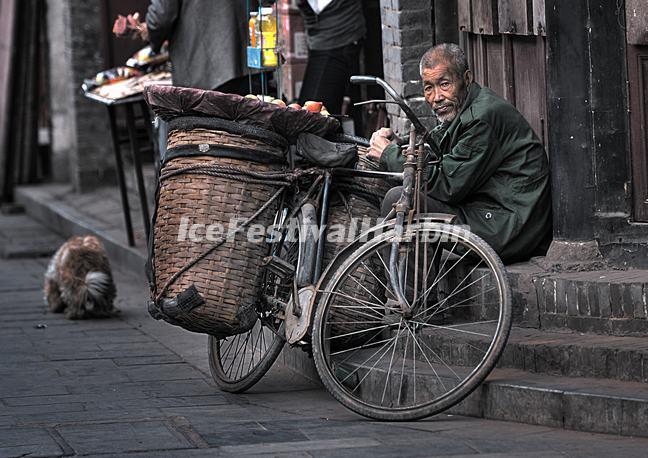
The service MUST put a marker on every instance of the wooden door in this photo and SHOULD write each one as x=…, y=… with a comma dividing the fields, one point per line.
x=637, y=51
x=505, y=43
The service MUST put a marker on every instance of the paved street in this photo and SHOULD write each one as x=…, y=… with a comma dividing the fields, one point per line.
x=132, y=385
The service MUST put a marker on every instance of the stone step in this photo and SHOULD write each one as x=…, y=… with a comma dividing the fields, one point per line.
x=553, y=353
x=24, y=237
x=47, y=205
x=611, y=302
x=576, y=403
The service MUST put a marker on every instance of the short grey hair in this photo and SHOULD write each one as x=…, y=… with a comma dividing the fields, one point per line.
x=445, y=53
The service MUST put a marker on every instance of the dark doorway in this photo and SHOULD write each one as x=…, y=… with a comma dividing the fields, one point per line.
x=638, y=81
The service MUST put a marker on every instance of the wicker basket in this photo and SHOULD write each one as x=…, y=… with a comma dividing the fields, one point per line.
x=363, y=201
x=198, y=284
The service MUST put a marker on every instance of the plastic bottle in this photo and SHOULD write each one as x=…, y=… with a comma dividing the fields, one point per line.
x=252, y=29
x=268, y=37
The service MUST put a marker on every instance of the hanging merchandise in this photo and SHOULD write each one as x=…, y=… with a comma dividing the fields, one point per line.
x=262, y=31
x=252, y=29
x=268, y=37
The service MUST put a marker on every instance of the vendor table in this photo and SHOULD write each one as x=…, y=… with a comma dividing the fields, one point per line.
x=128, y=104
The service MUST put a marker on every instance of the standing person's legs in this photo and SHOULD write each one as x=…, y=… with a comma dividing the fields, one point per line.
x=327, y=76
x=247, y=84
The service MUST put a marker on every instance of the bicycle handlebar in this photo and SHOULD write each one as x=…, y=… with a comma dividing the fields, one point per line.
x=365, y=79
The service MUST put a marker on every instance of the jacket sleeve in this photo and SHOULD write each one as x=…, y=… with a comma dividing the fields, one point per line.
x=391, y=159
x=160, y=20
x=472, y=160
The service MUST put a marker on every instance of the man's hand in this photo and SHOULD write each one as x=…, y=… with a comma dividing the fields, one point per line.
x=379, y=141
x=130, y=25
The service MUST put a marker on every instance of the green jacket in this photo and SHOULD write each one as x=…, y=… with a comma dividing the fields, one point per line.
x=495, y=172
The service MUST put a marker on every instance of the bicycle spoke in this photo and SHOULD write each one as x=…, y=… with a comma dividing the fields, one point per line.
x=391, y=361
x=414, y=364
x=387, y=290
x=400, y=389
x=436, y=374
x=365, y=288
x=468, y=276
x=376, y=363
x=454, y=293
x=441, y=360
x=428, y=325
x=358, y=332
x=368, y=359
x=359, y=347
x=346, y=296
x=234, y=343
x=438, y=279
x=458, y=304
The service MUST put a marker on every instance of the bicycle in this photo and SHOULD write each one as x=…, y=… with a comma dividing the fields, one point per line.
x=403, y=323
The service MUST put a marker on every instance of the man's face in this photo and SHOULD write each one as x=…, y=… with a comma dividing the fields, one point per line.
x=445, y=91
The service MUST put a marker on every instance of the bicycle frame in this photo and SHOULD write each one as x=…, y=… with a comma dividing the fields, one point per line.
x=405, y=210
x=409, y=202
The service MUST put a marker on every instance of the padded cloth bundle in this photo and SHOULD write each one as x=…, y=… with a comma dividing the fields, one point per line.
x=313, y=150
x=169, y=102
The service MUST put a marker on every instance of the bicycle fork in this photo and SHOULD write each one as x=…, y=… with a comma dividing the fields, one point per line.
x=406, y=206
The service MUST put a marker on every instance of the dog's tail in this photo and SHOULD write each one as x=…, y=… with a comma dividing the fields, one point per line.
x=100, y=290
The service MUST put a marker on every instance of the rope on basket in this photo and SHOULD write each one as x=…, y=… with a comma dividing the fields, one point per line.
x=206, y=253
x=236, y=173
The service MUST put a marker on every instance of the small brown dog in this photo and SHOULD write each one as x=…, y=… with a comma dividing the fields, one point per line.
x=79, y=282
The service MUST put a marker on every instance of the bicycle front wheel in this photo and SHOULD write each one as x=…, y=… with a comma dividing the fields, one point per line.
x=392, y=364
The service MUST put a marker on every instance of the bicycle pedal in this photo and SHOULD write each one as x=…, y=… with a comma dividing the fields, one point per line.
x=279, y=267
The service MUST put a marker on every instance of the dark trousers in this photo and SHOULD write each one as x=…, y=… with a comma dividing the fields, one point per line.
x=433, y=205
x=327, y=76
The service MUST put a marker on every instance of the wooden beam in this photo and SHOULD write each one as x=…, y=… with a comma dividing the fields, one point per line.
x=485, y=20
x=637, y=22
x=539, y=24
x=464, y=11
x=515, y=16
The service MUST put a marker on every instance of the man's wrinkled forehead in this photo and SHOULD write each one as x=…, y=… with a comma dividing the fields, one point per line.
x=437, y=72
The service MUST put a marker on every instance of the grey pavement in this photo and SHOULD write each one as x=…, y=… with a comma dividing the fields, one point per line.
x=135, y=386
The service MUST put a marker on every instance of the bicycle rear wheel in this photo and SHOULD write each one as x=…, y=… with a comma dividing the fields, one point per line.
x=238, y=362
x=387, y=364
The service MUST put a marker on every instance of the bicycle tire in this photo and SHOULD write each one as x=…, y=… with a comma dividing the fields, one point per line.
x=366, y=404
x=239, y=385
x=240, y=381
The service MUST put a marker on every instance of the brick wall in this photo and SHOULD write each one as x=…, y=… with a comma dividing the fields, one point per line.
x=407, y=32
x=81, y=143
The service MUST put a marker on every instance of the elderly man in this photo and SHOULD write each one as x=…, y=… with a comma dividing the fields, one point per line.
x=494, y=174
